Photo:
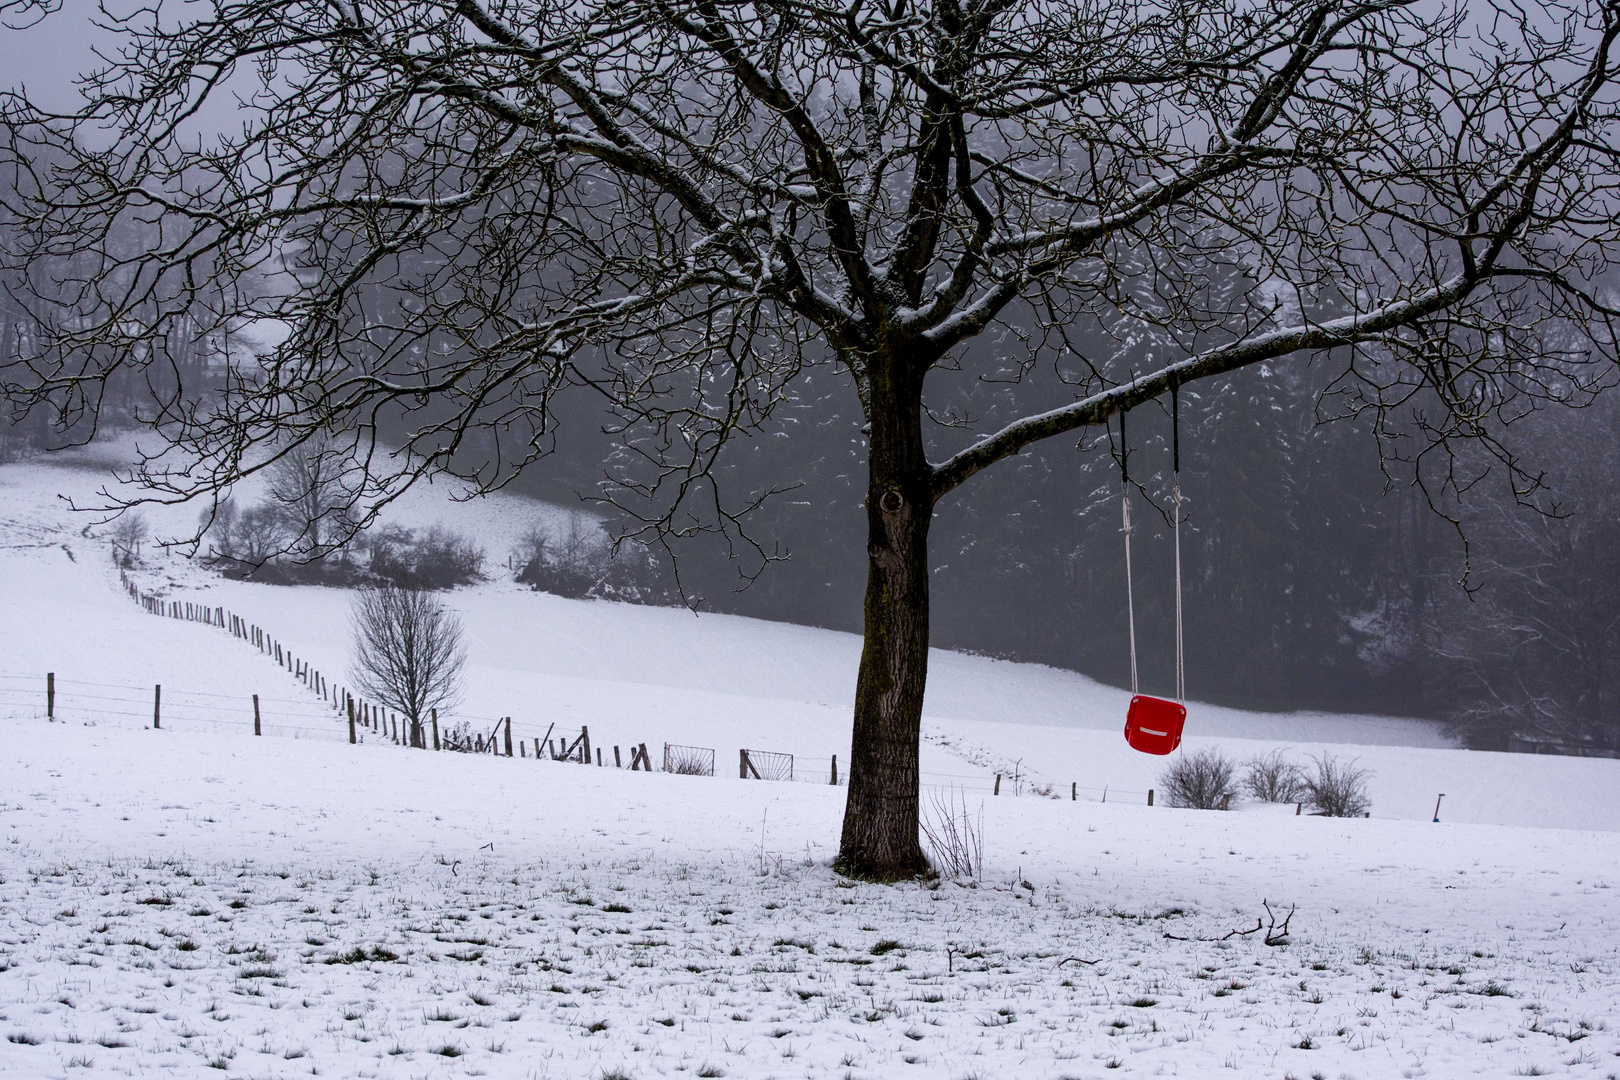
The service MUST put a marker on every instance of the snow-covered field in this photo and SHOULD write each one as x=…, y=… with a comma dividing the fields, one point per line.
x=270, y=907
x=192, y=899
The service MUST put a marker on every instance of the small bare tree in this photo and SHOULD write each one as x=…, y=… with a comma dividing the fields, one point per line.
x=408, y=652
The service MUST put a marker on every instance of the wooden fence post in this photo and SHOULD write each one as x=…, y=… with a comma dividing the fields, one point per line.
x=742, y=764
x=256, y=729
x=598, y=757
x=1074, y=791
x=1226, y=802
x=435, y=729
x=350, y=703
x=1150, y=796
x=157, y=707
x=50, y=705
x=617, y=764
x=998, y=784
x=508, y=736
x=834, y=780
x=585, y=744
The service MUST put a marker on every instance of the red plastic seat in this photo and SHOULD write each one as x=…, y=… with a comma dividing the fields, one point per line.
x=1153, y=725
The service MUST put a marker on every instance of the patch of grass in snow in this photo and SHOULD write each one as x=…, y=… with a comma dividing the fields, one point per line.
x=886, y=946
x=449, y=1050
x=359, y=955
x=22, y=1038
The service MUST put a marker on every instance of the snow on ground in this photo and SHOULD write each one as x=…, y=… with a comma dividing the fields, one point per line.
x=195, y=899
x=172, y=903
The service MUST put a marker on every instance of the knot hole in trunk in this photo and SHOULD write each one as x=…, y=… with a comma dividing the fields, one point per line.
x=891, y=502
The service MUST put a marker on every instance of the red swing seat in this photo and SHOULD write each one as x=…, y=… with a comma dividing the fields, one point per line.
x=1153, y=725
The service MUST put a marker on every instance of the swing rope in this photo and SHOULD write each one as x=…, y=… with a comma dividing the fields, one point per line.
x=1125, y=513
x=1125, y=504
x=1175, y=460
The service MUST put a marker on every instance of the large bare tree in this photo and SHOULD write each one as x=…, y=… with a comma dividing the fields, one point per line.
x=458, y=210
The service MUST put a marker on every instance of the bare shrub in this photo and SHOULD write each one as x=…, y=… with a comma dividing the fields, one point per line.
x=1338, y=789
x=1205, y=780
x=245, y=542
x=127, y=533
x=955, y=841
x=445, y=559
x=1273, y=778
x=570, y=560
x=532, y=549
x=437, y=558
x=408, y=652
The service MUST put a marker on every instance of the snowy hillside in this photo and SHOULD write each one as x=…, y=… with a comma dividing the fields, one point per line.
x=194, y=901
x=655, y=675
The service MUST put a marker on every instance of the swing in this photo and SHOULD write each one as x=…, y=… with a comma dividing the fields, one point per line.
x=1152, y=724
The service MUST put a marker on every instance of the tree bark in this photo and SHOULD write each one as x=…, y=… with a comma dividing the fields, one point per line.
x=880, y=815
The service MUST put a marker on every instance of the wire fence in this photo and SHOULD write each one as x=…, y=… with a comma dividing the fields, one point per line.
x=84, y=701
x=333, y=712
x=177, y=709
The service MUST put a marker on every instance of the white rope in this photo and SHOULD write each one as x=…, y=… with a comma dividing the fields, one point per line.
x=1181, y=668
x=1130, y=599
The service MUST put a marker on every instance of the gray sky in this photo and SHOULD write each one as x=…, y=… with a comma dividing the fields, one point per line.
x=48, y=56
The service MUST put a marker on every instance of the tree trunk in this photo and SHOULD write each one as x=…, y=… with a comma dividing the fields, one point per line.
x=880, y=815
